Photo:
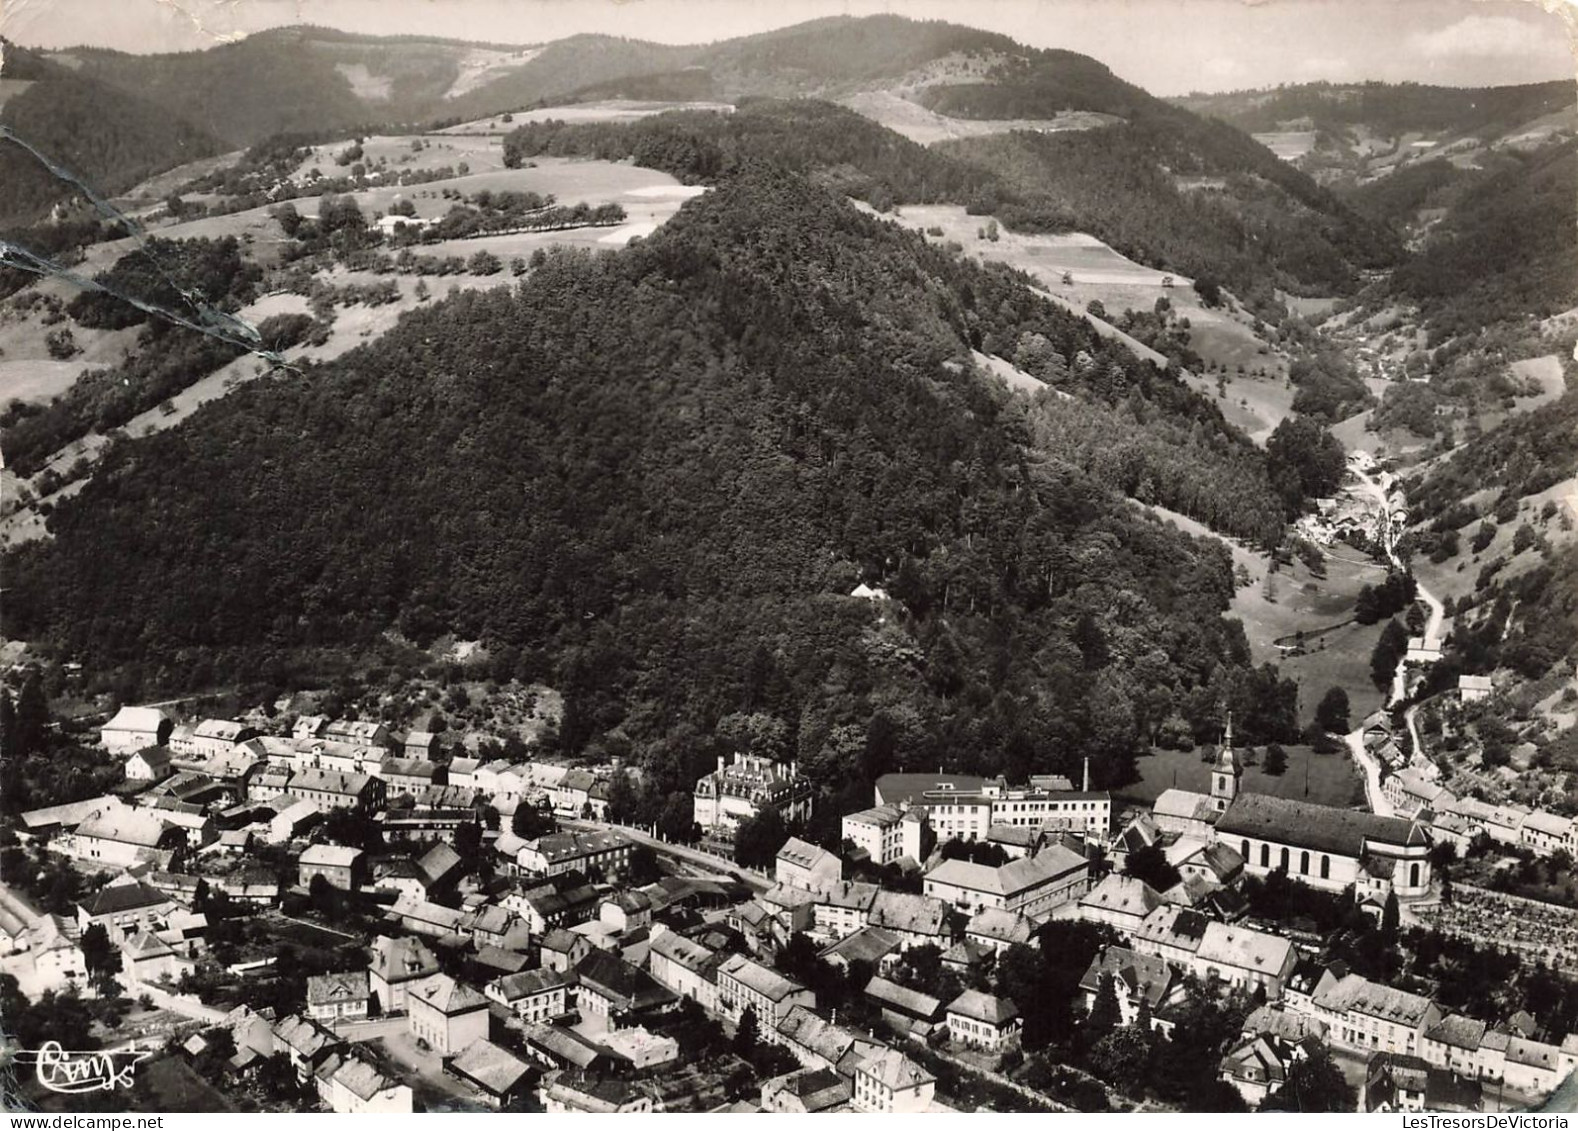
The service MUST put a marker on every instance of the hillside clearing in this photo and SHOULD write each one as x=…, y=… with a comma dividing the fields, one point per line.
x=925, y=126
x=1325, y=779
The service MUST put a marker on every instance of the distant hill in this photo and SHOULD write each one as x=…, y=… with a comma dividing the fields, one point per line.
x=653, y=477
x=109, y=137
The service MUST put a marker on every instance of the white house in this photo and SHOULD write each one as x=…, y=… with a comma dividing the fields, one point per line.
x=133, y=728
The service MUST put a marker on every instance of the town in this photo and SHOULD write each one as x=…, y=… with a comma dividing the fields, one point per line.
x=327, y=913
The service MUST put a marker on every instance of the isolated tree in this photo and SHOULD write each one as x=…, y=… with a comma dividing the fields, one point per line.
x=1332, y=712
x=1276, y=763
x=1446, y=885
x=622, y=799
x=530, y=822
x=1104, y=1012
x=1388, y=653
x=1314, y=1084
x=96, y=951
x=757, y=841
x=1150, y=865
x=1367, y=607
x=746, y=1034
x=1390, y=917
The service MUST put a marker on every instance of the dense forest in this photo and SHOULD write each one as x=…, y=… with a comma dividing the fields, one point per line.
x=1507, y=249
x=110, y=138
x=1254, y=235
x=655, y=474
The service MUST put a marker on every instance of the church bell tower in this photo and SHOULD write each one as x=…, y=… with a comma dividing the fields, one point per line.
x=1227, y=771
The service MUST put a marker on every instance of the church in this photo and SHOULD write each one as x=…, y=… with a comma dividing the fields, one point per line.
x=1319, y=845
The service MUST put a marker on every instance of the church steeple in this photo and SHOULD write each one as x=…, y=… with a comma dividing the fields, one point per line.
x=1227, y=771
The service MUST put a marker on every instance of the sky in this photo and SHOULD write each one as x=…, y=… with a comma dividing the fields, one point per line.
x=1167, y=46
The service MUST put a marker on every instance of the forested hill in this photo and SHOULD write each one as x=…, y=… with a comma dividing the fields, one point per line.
x=1387, y=108
x=110, y=137
x=654, y=475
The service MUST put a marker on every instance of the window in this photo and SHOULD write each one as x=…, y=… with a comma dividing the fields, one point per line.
x=1265, y=856
x=1325, y=867
x=1304, y=863
x=1284, y=858
x=1245, y=852
x=1413, y=875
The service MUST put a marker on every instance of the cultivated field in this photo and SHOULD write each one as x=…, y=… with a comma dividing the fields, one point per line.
x=1289, y=145
x=614, y=110
x=922, y=125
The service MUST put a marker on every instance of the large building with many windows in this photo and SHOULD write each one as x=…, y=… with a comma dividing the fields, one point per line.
x=965, y=807
x=735, y=792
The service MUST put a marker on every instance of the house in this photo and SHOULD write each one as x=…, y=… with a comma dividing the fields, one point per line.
x=807, y=867
x=983, y=1021
x=806, y=1091
x=1121, y=902
x=338, y=997
x=122, y=908
x=818, y=1043
x=917, y=919
x=146, y=959
x=563, y=951
x=886, y=833
x=1273, y=1039
x=686, y=967
x=556, y=1047
x=1545, y=833
x=1474, y=688
x=1422, y=650
x=877, y=948
x=397, y=964
x=440, y=865
x=534, y=995
x=626, y=910
x=1396, y=1082
x=500, y=1075
x=359, y=1087
x=136, y=728
x=462, y=771
x=737, y=791
x=14, y=932
x=400, y=875
x=1141, y=832
x=965, y=807
x=1216, y=865
x=744, y=983
x=558, y=853
x=1171, y=933
x=122, y=838
x=330, y=790
x=617, y=992
x=446, y=1014
x=151, y=763
x=57, y=961
x=344, y=868
x=408, y=777
x=544, y=908
x=209, y=738
x=1138, y=980
x=891, y=1082
x=1033, y=886
x=492, y=925
x=306, y=1044
x=1365, y=1016
x=364, y=733
x=423, y=745
x=62, y=818
x=842, y=910
x=908, y=1012
x=1244, y=958
x=431, y=919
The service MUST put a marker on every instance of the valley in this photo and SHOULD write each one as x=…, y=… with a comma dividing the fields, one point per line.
x=796, y=564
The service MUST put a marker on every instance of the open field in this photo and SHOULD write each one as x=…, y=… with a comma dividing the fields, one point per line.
x=1300, y=602
x=1326, y=779
x=923, y=126
x=612, y=110
x=1289, y=145
x=1099, y=273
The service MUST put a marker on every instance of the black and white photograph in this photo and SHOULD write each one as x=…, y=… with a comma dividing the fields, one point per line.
x=835, y=556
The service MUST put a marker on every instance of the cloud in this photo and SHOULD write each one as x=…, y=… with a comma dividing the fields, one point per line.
x=1499, y=37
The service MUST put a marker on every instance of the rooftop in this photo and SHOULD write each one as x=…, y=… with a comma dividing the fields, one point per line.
x=984, y=1007
x=758, y=978
x=1321, y=828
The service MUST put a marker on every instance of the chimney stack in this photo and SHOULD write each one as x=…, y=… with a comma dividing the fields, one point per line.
x=1086, y=786
x=720, y=763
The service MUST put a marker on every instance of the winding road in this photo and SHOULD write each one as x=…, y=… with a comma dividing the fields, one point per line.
x=1390, y=530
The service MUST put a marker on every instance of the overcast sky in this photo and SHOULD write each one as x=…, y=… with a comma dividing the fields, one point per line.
x=1166, y=46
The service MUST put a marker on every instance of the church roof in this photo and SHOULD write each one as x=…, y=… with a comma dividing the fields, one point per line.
x=1318, y=827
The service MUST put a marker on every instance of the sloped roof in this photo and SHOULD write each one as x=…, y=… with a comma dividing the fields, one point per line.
x=681, y=951
x=619, y=979
x=869, y=944
x=761, y=979
x=530, y=983
x=849, y=894
x=326, y=989
x=1356, y=993
x=1320, y=828
x=113, y=899
x=1244, y=948
x=1001, y=925
x=803, y=854
x=990, y=1008
x=903, y=911
x=138, y=719
x=124, y=826
x=889, y=993
x=400, y=959
x=448, y=996
x=496, y=1069
x=438, y=862
x=330, y=856
x=363, y=1079
x=1458, y=1031
x=1125, y=895
x=895, y=1071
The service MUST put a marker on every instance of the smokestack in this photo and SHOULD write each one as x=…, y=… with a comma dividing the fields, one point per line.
x=1086, y=786
x=720, y=763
